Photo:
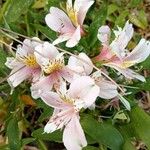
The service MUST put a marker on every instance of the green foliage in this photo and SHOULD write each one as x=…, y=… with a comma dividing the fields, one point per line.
x=103, y=133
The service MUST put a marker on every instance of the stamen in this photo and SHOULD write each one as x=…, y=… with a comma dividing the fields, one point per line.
x=53, y=66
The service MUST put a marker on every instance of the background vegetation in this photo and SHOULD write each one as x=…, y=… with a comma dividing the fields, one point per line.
x=22, y=118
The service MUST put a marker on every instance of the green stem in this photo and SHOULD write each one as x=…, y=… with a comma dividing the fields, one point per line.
x=41, y=145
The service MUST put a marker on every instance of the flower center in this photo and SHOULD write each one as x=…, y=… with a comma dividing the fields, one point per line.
x=73, y=16
x=30, y=61
x=53, y=66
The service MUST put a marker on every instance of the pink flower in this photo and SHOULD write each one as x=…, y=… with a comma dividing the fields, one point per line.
x=69, y=25
x=116, y=54
x=24, y=65
x=67, y=104
x=84, y=66
x=53, y=68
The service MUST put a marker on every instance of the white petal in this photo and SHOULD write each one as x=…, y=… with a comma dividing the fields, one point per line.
x=107, y=89
x=81, y=65
x=139, y=53
x=104, y=34
x=73, y=135
x=87, y=91
x=81, y=7
x=58, y=21
x=122, y=38
x=18, y=77
x=128, y=73
x=75, y=38
x=62, y=38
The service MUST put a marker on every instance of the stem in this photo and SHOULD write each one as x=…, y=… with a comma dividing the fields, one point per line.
x=62, y=50
x=41, y=145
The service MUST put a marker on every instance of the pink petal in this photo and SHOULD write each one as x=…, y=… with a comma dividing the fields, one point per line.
x=73, y=135
x=74, y=39
x=58, y=21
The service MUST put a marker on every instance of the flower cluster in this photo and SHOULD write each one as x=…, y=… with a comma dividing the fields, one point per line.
x=71, y=84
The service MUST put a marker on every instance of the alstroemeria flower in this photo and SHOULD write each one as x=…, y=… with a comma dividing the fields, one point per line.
x=24, y=65
x=116, y=54
x=69, y=25
x=84, y=66
x=53, y=67
x=67, y=104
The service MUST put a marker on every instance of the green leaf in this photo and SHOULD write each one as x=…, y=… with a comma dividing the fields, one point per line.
x=139, y=19
x=16, y=9
x=90, y=148
x=135, y=3
x=13, y=134
x=55, y=136
x=141, y=125
x=98, y=21
x=112, y=8
x=46, y=31
x=26, y=141
x=146, y=63
x=103, y=133
x=121, y=19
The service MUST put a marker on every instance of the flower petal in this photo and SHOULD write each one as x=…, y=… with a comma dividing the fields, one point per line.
x=128, y=73
x=104, y=34
x=74, y=39
x=139, y=53
x=79, y=65
x=58, y=21
x=73, y=135
x=44, y=84
x=19, y=76
x=107, y=89
x=81, y=7
x=62, y=38
x=121, y=40
x=87, y=91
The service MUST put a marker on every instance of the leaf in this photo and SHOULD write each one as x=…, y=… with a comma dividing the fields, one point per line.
x=103, y=133
x=13, y=134
x=55, y=136
x=146, y=63
x=47, y=32
x=141, y=125
x=90, y=148
x=98, y=21
x=139, y=19
x=16, y=9
x=26, y=141
x=135, y=3
x=112, y=8
x=124, y=102
x=121, y=19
